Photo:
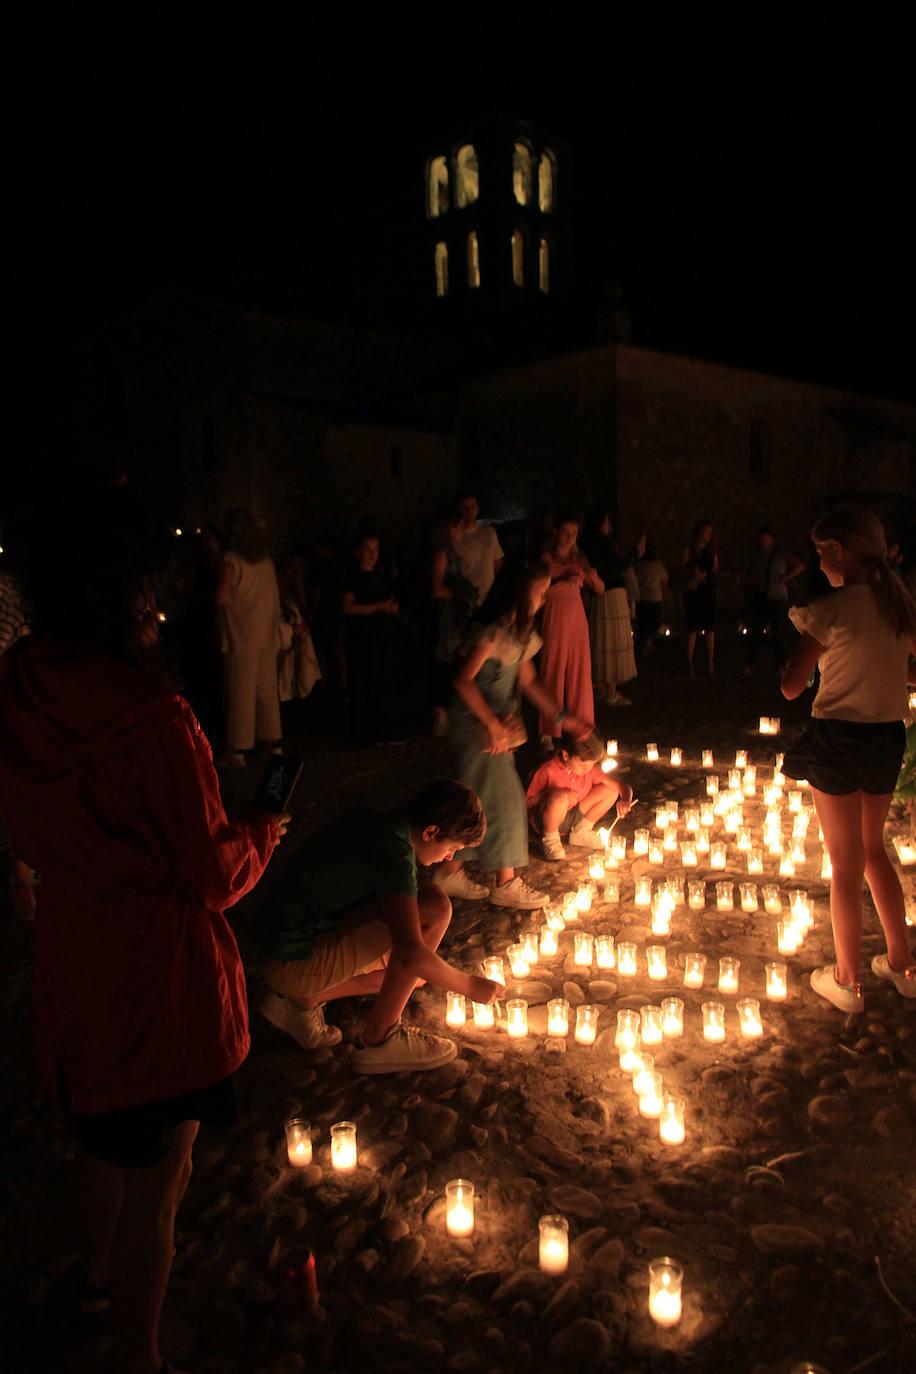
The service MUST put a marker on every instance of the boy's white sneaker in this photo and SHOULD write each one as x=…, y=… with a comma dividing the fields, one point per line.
x=584, y=837
x=518, y=894
x=458, y=884
x=846, y=998
x=904, y=982
x=552, y=847
x=307, y=1028
x=405, y=1049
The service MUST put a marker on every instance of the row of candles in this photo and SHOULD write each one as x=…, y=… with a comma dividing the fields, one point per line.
x=656, y=1023
x=769, y=725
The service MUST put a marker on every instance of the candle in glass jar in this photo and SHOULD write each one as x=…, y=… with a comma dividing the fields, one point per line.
x=707, y=815
x=455, y=1009
x=749, y=782
x=665, y=1282
x=786, y=866
x=672, y=1018
x=619, y=847
x=795, y=800
x=826, y=867
x=662, y=909
x=643, y=893
x=671, y=1122
x=743, y=839
x=656, y=853
x=517, y=1018
x=712, y=785
x=584, y=897
x=641, y=841
x=741, y=758
x=652, y=753
x=596, y=870
x=650, y=1099
x=627, y=1034
x=749, y=897
x=604, y=951
x=626, y=959
x=518, y=962
x=553, y=1244
x=611, y=888
x=677, y=757
x=586, y=1024
x=570, y=910
x=707, y=759
x=672, y=808
x=718, y=855
x=771, y=795
x=755, y=862
x=749, y=1022
x=484, y=1016
x=299, y=1142
x=725, y=897
x=650, y=1028
x=734, y=779
x=661, y=818
x=343, y=1146
x=728, y=974
x=787, y=937
x=798, y=854
x=643, y=1064
x=764, y=727
x=777, y=982
x=582, y=945
x=494, y=970
x=689, y=854
x=657, y=963
x=669, y=842
x=696, y=894
x=459, y=1207
x=713, y=1021
x=558, y=1017
x=906, y=850
x=733, y=821
x=553, y=917
x=775, y=845
x=549, y=943
x=694, y=970
x=604, y=835
x=692, y=819
x=529, y=943
x=703, y=842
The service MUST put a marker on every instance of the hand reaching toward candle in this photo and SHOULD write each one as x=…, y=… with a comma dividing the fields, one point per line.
x=485, y=990
x=626, y=800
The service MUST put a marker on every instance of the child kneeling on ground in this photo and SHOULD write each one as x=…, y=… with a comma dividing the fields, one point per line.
x=569, y=793
x=350, y=918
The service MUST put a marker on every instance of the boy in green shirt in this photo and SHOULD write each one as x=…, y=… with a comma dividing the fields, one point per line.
x=350, y=918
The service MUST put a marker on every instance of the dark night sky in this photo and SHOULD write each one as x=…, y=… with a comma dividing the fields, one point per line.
x=755, y=216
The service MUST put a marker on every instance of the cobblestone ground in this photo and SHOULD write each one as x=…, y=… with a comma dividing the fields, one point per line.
x=790, y=1203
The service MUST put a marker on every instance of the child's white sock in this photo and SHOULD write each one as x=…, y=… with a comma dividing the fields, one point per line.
x=552, y=836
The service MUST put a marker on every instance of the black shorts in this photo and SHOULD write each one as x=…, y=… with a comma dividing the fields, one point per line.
x=137, y=1137
x=843, y=756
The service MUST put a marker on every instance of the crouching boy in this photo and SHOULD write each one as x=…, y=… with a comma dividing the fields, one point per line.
x=569, y=793
x=350, y=918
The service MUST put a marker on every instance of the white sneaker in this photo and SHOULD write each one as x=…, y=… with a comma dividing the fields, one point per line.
x=307, y=1028
x=904, y=982
x=584, y=837
x=458, y=884
x=848, y=999
x=405, y=1049
x=517, y=893
x=552, y=848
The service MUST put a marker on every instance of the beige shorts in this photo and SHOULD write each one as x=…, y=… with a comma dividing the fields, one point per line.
x=357, y=944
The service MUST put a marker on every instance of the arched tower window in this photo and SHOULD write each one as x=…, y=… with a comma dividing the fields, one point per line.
x=468, y=179
x=473, y=261
x=518, y=258
x=544, y=265
x=522, y=167
x=437, y=202
x=441, y=269
x=547, y=181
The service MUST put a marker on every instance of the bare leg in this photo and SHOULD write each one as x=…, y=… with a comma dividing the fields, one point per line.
x=554, y=808
x=503, y=876
x=691, y=645
x=394, y=993
x=711, y=651
x=887, y=894
x=142, y=1253
x=101, y=1196
x=599, y=800
x=841, y=822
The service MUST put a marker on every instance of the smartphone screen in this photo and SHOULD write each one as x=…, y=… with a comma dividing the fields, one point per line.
x=277, y=785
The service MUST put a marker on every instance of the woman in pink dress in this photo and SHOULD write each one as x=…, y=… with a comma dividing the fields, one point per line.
x=566, y=659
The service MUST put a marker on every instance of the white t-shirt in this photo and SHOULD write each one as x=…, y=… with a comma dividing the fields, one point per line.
x=864, y=664
x=250, y=619
x=478, y=550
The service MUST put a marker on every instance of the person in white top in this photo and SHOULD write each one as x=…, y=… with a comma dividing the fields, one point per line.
x=480, y=554
x=861, y=638
x=249, y=601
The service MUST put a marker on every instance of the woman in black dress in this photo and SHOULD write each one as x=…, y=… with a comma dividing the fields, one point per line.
x=375, y=649
x=699, y=568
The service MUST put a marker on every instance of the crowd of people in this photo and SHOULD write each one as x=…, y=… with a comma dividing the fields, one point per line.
x=111, y=793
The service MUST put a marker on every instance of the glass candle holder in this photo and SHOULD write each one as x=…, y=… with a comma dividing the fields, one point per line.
x=744, y=839
x=604, y=835
x=689, y=854
x=718, y=854
x=728, y=974
x=677, y=757
x=733, y=821
x=666, y=1278
x=652, y=753
x=484, y=1015
x=826, y=867
x=596, y=870
x=643, y=893
x=611, y=888
x=343, y=1146
x=656, y=854
x=553, y=917
x=787, y=936
x=459, y=1207
x=708, y=759
x=662, y=907
x=570, y=909
x=643, y=1063
x=641, y=841
x=749, y=1022
x=669, y=840
x=650, y=1099
x=650, y=1025
x=707, y=815
x=675, y=890
x=713, y=1022
x=749, y=782
x=628, y=1031
x=619, y=847
x=455, y=1009
x=672, y=1018
x=799, y=906
x=749, y=897
x=553, y=1244
x=740, y=758
x=626, y=958
x=775, y=846
x=585, y=896
x=550, y=945
x=755, y=861
x=518, y=962
x=529, y=943
x=712, y=785
x=604, y=951
x=671, y=1122
x=696, y=894
x=771, y=795
x=725, y=897
x=582, y=946
x=703, y=843
x=692, y=819
x=494, y=969
x=777, y=976
x=797, y=853
x=673, y=809
x=694, y=970
x=611, y=749
x=795, y=800
x=587, y=1024
x=786, y=866
x=299, y=1142
x=657, y=963
x=558, y=1017
x=661, y=818
x=517, y=1018
x=906, y=850
x=734, y=779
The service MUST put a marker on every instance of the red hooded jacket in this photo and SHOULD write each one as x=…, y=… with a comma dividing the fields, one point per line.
x=111, y=794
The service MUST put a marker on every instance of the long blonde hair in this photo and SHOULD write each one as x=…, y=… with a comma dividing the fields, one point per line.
x=861, y=532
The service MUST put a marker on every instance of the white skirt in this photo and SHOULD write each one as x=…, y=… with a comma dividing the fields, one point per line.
x=611, y=635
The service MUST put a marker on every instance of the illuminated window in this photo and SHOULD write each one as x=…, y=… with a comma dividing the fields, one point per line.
x=468, y=181
x=437, y=187
x=518, y=258
x=544, y=266
x=473, y=261
x=521, y=173
x=441, y=269
x=547, y=176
